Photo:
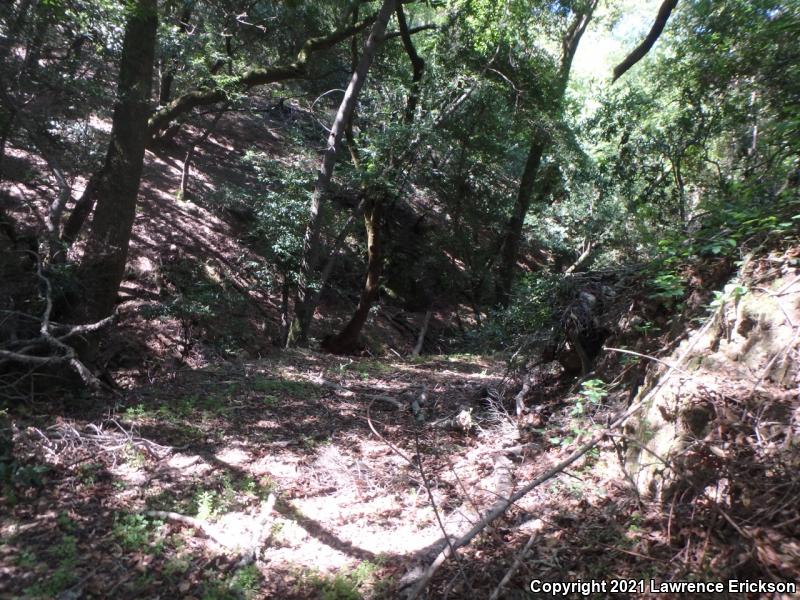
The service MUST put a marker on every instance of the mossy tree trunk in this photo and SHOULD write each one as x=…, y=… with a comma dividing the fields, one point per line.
x=349, y=339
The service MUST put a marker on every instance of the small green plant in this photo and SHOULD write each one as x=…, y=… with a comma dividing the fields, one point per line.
x=26, y=559
x=206, y=503
x=243, y=583
x=730, y=293
x=275, y=529
x=246, y=580
x=592, y=393
x=718, y=247
x=137, y=412
x=177, y=565
x=274, y=387
x=646, y=328
x=66, y=555
x=134, y=457
x=87, y=473
x=668, y=287
x=65, y=522
x=136, y=532
x=346, y=585
x=635, y=522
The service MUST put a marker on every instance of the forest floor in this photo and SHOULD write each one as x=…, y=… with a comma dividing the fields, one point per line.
x=313, y=460
x=223, y=468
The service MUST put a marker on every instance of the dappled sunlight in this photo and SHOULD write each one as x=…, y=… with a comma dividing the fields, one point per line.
x=399, y=300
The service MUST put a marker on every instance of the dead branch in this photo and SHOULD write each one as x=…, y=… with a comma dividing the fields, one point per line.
x=98, y=438
x=421, y=338
x=340, y=389
x=391, y=446
x=207, y=529
x=65, y=354
x=519, y=399
x=435, y=508
x=260, y=533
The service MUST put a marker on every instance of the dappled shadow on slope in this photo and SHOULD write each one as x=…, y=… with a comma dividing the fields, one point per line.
x=213, y=444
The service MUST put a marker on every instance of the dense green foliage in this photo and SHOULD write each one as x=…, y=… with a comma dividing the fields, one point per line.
x=691, y=154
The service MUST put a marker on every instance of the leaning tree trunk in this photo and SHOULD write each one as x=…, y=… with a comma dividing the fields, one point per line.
x=348, y=340
x=305, y=304
x=512, y=235
x=117, y=185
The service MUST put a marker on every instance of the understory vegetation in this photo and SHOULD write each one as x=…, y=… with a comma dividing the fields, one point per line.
x=382, y=299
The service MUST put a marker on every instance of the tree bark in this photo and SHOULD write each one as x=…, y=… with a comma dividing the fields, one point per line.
x=348, y=128
x=304, y=305
x=422, y=331
x=512, y=236
x=348, y=341
x=81, y=211
x=117, y=185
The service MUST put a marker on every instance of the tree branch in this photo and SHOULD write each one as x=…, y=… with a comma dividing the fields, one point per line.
x=642, y=49
x=57, y=343
x=411, y=31
x=252, y=78
x=417, y=64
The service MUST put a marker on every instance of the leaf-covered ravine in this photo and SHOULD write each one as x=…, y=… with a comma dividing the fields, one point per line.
x=399, y=299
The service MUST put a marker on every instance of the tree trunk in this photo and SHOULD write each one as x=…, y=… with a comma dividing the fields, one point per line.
x=117, y=185
x=284, y=330
x=168, y=75
x=304, y=305
x=422, y=331
x=183, y=191
x=512, y=236
x=513, y=233
x=348, y=340
x=417, y=64
x=348, y=128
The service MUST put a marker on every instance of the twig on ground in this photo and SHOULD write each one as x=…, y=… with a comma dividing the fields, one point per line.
x=514, y=566
x=206, y=529
x=436, y=513
x=392, y=447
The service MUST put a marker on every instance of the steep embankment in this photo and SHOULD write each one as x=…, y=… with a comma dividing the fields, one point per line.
x=720, y=429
